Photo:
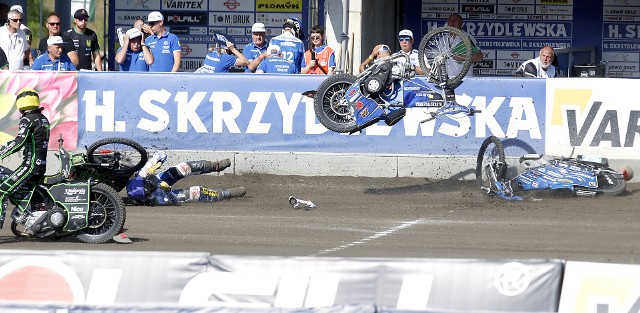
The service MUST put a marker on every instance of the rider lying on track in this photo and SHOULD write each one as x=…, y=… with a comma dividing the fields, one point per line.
x=149, y=188
x=33, y=136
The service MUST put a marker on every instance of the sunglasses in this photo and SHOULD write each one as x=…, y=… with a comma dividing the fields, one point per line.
x=16, y=20
x=153, y=23
x=404, y=38
x=54, y=24
x=82, y=19
x=315, y=37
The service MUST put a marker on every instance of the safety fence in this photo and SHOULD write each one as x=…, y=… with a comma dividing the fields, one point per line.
x=101, y=281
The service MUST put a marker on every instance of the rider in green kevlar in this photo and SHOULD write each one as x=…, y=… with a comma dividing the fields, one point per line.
x=33, y=136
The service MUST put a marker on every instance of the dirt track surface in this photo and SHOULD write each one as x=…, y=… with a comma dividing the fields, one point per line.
x=379, y=217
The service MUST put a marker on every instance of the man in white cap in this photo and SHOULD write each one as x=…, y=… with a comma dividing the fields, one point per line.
x=86, y=42
x=256, y=47
x=54, y=59
x=273, y=62
x=134, y=56
x=28, y=60
x=165, y=46
x=13, y=41
x=405, y=37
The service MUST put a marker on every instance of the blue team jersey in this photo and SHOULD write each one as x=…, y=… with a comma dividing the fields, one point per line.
x=134, y=62
x=291, y=48
x=277, y=65
x=218, y=63
x=44, y=63
x=162, y=49
x=251, y=52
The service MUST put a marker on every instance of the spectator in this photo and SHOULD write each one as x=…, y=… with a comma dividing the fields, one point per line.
x=28, y=59
x=273, y=62
x=319, y=59
x=291, y=48
x=455, y=21
x=164, y=45
x=134, y=56
x=54, y=59
x=144, y=28
x=405, y=37
x=219, y=59
x=69, y=49
x=539, y=67
x=14, y=41
x=256, y=47
x=379, y=51
x=4, y=63
x=85, y=41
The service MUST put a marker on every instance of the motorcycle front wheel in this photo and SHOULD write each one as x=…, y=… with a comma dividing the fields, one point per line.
x=331, y=106
x=491, y=166
x=120, y=156
x=106, y=215
x=445, y=56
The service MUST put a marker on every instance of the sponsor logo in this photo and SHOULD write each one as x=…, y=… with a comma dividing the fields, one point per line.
x=478, y=8
x=231, y=4
x=187, y=18
x=279, y=5
x=186, y=50
x=182, y=4
x=75, y=208
x=515, y=55
x=75, y=191
x=232, y=19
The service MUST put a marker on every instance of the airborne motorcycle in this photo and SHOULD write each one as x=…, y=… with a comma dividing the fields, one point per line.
x=346, y=104
x=79, y=200
x=582, y=176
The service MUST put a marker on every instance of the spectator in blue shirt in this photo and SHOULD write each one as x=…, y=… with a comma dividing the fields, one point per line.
x=256, y=47
x=291, y=47
x=134, y=56
x=219, y=60
x=54, y=59
x=164, y=45
x=273, y=62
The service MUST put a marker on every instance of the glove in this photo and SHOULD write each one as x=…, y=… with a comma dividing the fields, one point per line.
x=164, y=186
x=152, y=170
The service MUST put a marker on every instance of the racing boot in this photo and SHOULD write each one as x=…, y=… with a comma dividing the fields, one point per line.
x=122, y=237
x=203, y=167
x=203, y=194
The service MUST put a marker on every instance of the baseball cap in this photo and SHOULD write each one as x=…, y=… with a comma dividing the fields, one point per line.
x=273, y=49
x=17, y=7
x=134, y=33
x=81, y=13
x=406, y=33
x=258, y=28
x=155, y=16
x=55, y=40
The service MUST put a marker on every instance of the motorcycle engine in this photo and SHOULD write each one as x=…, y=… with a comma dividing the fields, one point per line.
x=404, y=70
x=375, y=83
x=44, y=223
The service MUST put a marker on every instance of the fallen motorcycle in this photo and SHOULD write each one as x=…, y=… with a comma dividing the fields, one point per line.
x=582, y=175
x=79, y=200
x=345, y=103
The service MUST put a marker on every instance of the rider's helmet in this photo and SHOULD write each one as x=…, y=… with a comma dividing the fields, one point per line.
x=27, y=99
x=295, y=25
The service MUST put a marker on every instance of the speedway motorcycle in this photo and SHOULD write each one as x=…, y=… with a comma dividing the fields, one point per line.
x=582, y=175
x=345, y=103
x=80, y=199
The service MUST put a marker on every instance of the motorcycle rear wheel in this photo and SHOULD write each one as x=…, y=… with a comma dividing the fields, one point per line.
x=124, y=156
x=106, y=215
x=491, y=166
x=611, y=183
x=445, y=56
x=331, y=106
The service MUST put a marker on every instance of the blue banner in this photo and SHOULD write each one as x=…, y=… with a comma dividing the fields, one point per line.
x=251, y=112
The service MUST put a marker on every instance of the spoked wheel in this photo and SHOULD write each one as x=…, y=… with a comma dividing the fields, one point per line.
x=445, y=55
x=331, y=106
x=611, y=183
x=106, y=215
x=16, y=231
x=491, y=167
x=121, y=156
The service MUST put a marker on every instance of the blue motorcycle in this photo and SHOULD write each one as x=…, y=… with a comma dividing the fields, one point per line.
x=582, y=176
x=346, y=103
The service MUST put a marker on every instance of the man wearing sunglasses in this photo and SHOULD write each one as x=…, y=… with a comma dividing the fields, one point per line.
x=319, y=59
x=85, y=41
x=13, y=41
x=53, y=25
x=28, y=60
x=405, y=37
